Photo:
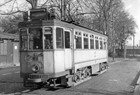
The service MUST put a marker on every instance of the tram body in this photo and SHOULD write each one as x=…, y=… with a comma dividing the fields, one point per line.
x=56, y=51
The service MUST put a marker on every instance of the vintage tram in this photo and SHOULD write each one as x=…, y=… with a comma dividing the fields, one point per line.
x=57, y=52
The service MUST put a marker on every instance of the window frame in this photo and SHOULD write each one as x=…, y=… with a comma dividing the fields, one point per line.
x=105, y=44
x=101, y=43
x=96, y=45
x=76, y=35
x=21, y=39
x=52, y=39
x=65, y=39
x=92, y=38
x=40, y=39
x=61, y=36
x=85, y=36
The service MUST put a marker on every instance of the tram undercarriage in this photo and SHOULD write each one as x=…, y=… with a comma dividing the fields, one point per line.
x=67, y=80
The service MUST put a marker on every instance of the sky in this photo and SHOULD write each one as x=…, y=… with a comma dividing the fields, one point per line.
x=133, y=7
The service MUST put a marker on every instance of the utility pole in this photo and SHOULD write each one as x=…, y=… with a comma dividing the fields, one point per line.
x=124, y=49
x=133, y=44
x=113, y=37
x=124, y=42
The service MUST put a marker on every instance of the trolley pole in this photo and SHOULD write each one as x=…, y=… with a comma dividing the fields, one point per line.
x=63, y=9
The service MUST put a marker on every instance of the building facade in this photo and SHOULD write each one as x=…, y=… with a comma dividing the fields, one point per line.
x=9, y=49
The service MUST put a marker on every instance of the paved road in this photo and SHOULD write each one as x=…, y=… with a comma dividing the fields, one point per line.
x=10, y=81
x=118, y=80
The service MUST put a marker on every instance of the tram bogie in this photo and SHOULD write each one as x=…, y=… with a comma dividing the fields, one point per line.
x=57, y=52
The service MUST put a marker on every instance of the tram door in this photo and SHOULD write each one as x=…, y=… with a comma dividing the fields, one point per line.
x=68, y=50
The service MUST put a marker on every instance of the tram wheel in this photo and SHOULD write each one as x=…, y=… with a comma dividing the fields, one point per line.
x=25, y=82
x=77, y=76
x=39, y=85
x=88, y=72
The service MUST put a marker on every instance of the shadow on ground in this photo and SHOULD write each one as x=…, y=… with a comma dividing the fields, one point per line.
x=102, y=92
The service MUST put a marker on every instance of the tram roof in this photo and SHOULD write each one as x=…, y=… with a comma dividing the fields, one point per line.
x=59, y=23
x=71, y=26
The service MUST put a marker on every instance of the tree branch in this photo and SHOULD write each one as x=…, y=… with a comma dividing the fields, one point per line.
x=5, y=3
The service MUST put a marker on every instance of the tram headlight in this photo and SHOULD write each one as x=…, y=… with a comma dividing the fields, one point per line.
x=35, y=68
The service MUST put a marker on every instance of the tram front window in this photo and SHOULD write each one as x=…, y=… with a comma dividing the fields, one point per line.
x=23, y=39
x=35, y=38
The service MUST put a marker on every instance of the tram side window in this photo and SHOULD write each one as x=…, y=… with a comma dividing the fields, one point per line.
x=59, y=38
x=23, y=39
x=67, y=39
x=92, y=43
x=101, y=45
x=24, y=44
x=35, y=38
x=48, y=40
x=105, y=45
x=85, y=43
x=97, y=44
x=78, y=42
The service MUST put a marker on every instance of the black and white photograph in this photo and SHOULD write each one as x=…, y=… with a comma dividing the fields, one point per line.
x=69, y=47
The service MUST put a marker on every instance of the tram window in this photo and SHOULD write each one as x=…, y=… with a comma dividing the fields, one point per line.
x=97, y=44
x=101, y=45
x=48, y=40
x=78, y=42
x=67, y=39
x=23, y=39
x=85, y=43
x=35, y=38
x=59, y=38
x=105, y=46
x=91, y=43
x=24, y=44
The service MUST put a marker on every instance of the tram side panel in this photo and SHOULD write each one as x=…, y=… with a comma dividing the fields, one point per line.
x=49, y=62
x=23, y=64
x=59, y=65
x=57, y=61
x=101, y=56
x=84, y=58
x=54, y=62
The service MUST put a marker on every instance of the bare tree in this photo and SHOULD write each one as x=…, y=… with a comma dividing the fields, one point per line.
x=33, y=3
x=102, y=15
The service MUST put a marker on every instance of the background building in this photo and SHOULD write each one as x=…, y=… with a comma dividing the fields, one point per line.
x=9, y=49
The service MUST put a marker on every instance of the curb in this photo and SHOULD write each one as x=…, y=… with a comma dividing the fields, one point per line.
x=137, y=87
x=137, y=90
x=116, y=61
x=1, y=68
x=113, y=62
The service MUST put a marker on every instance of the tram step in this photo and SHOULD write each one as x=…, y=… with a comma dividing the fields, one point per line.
x=69, y=76
x=98, y=73
x=81, y=81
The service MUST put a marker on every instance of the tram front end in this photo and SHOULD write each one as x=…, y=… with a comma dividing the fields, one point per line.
x=36, y=50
